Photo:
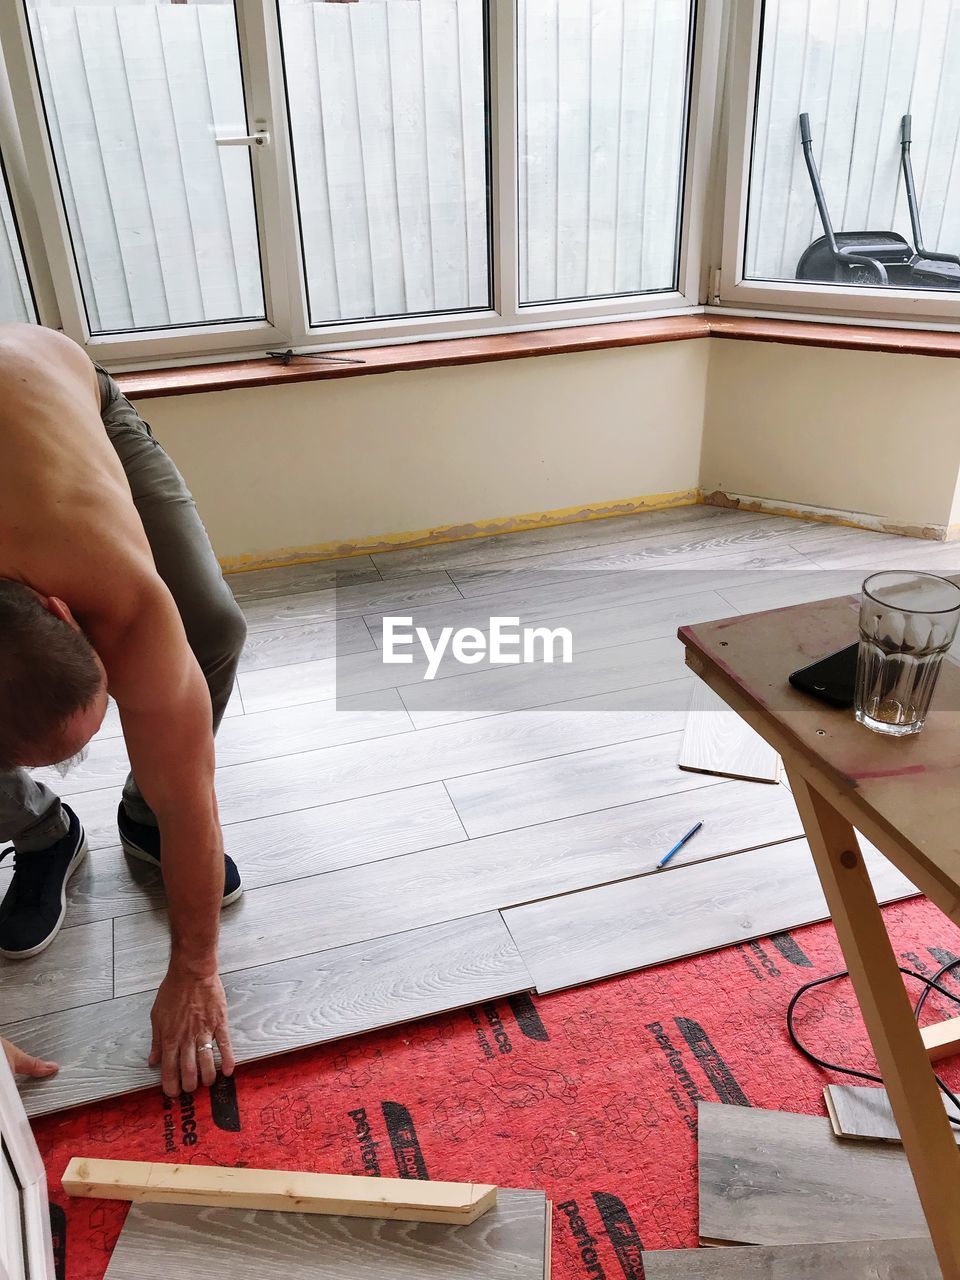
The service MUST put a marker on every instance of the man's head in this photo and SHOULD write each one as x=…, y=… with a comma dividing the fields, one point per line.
x=53, y=688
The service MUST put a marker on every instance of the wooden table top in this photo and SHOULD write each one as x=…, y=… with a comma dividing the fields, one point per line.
x=902, y=793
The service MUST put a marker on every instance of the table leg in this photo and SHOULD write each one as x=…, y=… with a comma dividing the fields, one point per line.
x=928, y=1140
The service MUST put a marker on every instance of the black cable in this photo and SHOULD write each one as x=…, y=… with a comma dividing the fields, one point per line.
x=929, y=984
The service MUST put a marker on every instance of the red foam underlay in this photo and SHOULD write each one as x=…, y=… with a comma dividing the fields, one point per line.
x=589, y=1094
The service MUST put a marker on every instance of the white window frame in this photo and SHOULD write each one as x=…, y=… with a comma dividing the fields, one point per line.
x=29, y=1221
x=904, y=307
x=53, y=269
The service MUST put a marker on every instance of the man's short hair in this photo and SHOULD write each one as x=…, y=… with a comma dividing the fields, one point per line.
x=48, y=673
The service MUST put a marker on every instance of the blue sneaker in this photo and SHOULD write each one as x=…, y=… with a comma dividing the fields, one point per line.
x=142, y=841
x=34, y=905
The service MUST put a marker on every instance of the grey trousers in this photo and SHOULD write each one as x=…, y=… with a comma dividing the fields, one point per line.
x=31, y=816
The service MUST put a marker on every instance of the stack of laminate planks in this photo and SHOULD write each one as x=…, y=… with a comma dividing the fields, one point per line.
x=820, y=1206
x=307, y=1226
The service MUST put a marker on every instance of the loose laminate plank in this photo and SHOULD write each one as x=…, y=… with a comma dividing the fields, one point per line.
x=102, y=1049
x=768, y=1177
x=717, y=740
x=681, y=911
x=862, y=1260
x=464, y=879
x=158, y=1241
x=861, y=1113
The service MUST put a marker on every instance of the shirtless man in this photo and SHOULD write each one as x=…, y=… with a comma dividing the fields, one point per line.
x=108, y=583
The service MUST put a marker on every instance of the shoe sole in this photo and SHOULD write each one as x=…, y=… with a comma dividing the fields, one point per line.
x=134, y=851
x=75, y=863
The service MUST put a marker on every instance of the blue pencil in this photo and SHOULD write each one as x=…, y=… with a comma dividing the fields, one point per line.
x=679, y=845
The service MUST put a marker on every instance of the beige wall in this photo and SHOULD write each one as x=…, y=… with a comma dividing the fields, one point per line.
x=854, y=431
x=360, y=458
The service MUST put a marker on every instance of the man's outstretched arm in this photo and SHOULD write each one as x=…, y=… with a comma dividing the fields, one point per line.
x=167, y=723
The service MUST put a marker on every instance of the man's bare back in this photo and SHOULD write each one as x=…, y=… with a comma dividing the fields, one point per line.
x=64, y=498
x=73, y=544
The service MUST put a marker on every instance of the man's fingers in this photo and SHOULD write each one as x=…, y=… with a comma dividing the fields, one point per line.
x=170, y=1070
x=188, y=1067
x=25, y=1064
x=154, y=1058
x=228, y=1062
x=208, y=1068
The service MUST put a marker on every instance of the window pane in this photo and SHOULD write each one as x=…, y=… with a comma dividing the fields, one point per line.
x=856, y=68
x=162, y=219
x=603, y=96
x=16, y=298
x=388, y=114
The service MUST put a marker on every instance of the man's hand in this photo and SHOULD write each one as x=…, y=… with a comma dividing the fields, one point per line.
x=23, y=1064
x=189, y=1013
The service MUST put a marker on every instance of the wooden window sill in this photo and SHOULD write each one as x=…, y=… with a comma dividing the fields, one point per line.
x=263, y=372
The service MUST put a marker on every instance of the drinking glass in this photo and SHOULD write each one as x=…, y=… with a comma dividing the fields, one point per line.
x=907, y=623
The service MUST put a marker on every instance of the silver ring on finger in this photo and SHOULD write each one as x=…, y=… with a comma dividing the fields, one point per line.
x=206, y=1047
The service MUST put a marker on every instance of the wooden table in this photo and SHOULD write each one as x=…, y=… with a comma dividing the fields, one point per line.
x=903, y=794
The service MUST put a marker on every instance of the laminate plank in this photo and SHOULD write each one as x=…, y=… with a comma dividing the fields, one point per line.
x=641, y=551
x=861, y=1113
x=300, y=781
x=548, y=593
x=479, y=583
x=295, y=579
x=791, y=588
x=502, y=689
x=275, y=1008
x=465, y=879
x=501, y=548
x=603, y=628
x=276, y=850
x=335, y=603
x=888, y=553
x=863, y=1260
x=249, y=738
x=364, y=672
x=767, y=1177
x=77, y=971
x=306, y=642
x=683, y=911
x=716, y=740
x=505, y=1244
x=571, y=783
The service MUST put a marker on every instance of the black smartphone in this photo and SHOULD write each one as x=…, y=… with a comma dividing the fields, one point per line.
x=831, y=679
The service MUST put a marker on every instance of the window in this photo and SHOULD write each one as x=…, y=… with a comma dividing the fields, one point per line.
x=16, y=298
x=603, y=93
x=388, y=113
x=138, y=99
x=852, y=158
x=236, y=175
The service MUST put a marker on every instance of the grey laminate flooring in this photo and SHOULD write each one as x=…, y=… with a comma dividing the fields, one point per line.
x=864, y=1260
x=159, y=1241
x=767, y=1177
x=866, y=1113
x=375, y=813
x=679, y=911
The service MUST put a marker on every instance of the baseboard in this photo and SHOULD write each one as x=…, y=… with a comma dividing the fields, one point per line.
x=458, y=532
x=829, y=515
